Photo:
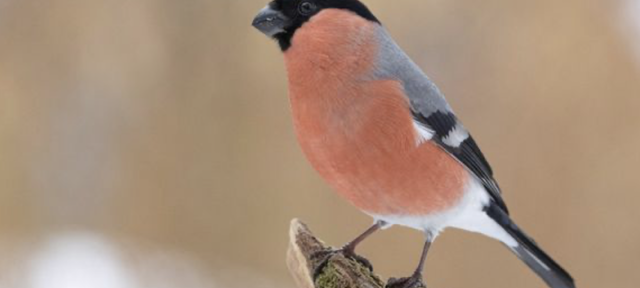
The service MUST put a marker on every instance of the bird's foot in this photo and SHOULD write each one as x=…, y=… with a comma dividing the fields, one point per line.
x=325, y=256
x=415, y=281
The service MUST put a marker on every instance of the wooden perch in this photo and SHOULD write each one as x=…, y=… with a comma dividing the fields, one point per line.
x=339, y=272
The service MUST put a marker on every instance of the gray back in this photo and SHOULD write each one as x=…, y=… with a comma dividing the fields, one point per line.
x=394, y=63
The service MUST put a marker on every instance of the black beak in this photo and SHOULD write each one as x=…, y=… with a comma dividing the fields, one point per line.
x=270, y=22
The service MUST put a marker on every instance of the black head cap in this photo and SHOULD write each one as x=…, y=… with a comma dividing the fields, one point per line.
x=282, y=18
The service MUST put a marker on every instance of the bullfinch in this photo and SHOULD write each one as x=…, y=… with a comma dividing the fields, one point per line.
x=381, y=133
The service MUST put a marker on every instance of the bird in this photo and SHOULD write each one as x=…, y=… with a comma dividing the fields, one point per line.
x=382, y=135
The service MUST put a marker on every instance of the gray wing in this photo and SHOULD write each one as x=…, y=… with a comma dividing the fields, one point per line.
x=430, y=108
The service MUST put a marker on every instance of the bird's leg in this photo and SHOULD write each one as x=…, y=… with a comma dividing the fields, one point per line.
x=415, y=280
x=348, y=250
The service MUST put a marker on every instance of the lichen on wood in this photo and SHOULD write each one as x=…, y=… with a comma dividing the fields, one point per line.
x=339, y=271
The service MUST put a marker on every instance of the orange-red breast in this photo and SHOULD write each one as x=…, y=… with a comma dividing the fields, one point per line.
x=381, y=133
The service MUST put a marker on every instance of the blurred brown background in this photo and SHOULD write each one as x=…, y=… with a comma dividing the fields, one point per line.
x=149, y=142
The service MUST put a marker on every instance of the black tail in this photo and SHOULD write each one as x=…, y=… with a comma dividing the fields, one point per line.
x=529, y=252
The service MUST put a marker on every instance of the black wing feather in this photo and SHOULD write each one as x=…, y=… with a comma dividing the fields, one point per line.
x=468, y=153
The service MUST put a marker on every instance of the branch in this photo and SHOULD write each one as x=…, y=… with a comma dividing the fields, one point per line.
x=339, y=272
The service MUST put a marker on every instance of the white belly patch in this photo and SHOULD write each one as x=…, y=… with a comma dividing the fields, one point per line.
x=468, y=215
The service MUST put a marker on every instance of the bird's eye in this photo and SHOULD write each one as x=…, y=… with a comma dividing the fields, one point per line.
x=307, y=8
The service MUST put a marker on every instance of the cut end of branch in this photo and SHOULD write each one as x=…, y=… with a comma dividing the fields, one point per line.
x=339, y=271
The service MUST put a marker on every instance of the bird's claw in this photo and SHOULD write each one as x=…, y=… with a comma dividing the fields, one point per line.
x=325, y=256
x=414, y=281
